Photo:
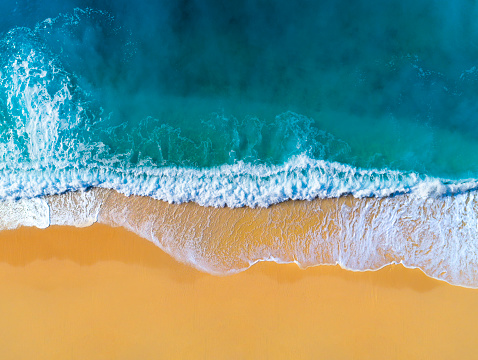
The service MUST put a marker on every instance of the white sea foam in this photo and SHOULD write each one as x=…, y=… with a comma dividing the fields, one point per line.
x=241, y=184
x=301, y=178
x=79, y=208
x=24, y=212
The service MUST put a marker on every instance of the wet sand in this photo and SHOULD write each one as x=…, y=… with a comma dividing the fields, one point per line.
x=436, y=235
x=105, y=293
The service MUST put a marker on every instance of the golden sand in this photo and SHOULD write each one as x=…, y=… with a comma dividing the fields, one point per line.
x=105, y=293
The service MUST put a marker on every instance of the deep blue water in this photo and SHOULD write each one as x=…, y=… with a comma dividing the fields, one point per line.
x=238, y=103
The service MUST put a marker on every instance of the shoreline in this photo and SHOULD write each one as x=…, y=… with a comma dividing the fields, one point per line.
x=102, y=292
x=436, y=235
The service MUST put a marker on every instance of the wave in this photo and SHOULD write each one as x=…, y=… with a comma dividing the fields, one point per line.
x=238, y=185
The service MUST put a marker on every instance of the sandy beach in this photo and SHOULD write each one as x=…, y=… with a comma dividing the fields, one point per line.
x=105, y=293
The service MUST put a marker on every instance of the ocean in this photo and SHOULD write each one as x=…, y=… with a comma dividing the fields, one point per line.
x=364, y=115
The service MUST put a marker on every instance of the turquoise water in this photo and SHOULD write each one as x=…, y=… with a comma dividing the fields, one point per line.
x=245, y=103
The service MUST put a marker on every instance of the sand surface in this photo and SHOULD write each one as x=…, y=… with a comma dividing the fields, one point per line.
x=105, y=293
